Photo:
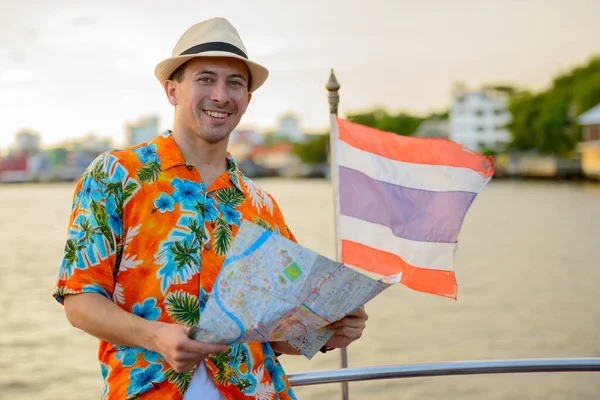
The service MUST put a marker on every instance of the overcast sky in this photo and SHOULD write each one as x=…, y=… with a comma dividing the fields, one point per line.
x=67, y=70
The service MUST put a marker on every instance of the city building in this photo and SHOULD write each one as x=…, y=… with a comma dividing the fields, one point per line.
x=478, y=120
x=27, y=142
x=590, y=144
x=143, y=130
x=14, y=167
x=242, y=141
x=289, y=129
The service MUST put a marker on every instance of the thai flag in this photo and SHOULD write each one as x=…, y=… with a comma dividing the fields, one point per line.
x=401, y=202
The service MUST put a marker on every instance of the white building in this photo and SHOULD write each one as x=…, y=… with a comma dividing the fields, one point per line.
x=289, y=129
x=144, y=130
x=478, y=120
x=27, y=142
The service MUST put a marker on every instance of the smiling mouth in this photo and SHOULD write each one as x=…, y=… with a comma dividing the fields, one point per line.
x=216, y=114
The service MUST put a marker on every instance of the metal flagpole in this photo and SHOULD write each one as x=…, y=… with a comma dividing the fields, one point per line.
x=334, y=99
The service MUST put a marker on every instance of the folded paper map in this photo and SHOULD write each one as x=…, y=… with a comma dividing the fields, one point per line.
x=272, y=289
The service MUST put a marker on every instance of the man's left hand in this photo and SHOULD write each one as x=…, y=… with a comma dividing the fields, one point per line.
x=348, y=329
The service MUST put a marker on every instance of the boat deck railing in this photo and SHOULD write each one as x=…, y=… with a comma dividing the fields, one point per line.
x=445, y=369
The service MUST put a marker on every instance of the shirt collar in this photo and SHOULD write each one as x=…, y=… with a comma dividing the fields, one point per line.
x=169, y=157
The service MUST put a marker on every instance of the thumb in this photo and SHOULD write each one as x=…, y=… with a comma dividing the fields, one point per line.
x=192, y=332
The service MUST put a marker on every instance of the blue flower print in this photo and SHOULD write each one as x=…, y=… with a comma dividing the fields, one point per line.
x=148, y=310
x=211, y=212
x=143, y=378
x=128, y=355
x=104, y=370
x=230, y=215
x=187, y=192
x=147, y=154
x=274, y=368
x=164, y=203
x=90, y=191
x=151, y=356
x=114, y=220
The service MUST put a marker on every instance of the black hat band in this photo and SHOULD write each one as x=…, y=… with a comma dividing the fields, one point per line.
x=214, y=46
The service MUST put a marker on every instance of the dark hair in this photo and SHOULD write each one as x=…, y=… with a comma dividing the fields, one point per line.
x=178, y=74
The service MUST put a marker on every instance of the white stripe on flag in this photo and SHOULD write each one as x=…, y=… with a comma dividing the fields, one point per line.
x=437, y=178
x=429, y=255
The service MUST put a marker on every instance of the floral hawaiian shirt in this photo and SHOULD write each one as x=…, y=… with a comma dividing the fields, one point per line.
x=147, y=234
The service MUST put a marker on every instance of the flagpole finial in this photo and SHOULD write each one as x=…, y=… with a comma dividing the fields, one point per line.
x=334, y=98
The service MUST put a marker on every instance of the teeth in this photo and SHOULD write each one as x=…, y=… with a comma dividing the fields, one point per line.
x=216, y=114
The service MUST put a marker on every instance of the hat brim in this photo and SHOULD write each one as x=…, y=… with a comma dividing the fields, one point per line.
x=165, y=68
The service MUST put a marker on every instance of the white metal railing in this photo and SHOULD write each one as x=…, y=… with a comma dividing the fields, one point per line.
x=446, y=369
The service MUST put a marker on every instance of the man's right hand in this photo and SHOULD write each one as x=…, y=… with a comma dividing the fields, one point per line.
x=181, y=352
x=111, y=323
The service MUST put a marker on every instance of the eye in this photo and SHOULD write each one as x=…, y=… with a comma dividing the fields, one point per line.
x=205, y=79
x=236, y=82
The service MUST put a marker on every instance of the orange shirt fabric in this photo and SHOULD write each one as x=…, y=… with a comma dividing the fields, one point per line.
x=148, y=235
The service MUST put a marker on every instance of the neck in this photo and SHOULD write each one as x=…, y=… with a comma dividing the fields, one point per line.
x=210, y=159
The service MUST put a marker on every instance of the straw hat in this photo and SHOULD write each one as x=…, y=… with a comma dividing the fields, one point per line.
x=215, y=37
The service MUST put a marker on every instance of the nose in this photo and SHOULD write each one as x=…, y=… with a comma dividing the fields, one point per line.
x=219, y=93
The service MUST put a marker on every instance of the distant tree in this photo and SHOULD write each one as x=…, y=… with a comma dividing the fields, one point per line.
x=546, y=122
x=401, y=123
x=314, y=150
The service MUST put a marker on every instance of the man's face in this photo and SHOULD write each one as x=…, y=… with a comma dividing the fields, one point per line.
x=211, y=98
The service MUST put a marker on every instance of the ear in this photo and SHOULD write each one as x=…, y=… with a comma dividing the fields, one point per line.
x=171, y=90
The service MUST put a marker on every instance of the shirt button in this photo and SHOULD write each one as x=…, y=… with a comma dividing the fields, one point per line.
x=207, y=246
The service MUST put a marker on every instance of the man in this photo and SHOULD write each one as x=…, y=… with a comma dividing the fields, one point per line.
x=151, y=226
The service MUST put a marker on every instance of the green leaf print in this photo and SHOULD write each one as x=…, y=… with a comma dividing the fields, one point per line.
x=183, y=254
x=222, y=359
x=223, y=237
x=263, y=224
x=114, y=188
x=88, y=230
x=182, y=381
x=230, y=197
x=198, y=231
x=62, y=291
x=98, y=174
x=243, y=384
x=71, y=249
x=149, y=172
x=117, y=263
x=183, y=307
x=243, y=356
x=102, y=218
x=128, y=191
x=226, y=373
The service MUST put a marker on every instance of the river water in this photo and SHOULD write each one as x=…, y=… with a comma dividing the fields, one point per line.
x=528, y=269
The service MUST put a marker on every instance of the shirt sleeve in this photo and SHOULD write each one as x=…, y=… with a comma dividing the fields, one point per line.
x=94, y=238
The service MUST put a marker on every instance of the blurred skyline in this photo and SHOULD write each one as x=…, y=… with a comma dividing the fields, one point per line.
x=68, y=70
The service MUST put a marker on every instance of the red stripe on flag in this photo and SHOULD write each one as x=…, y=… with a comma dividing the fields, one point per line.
x=413, y=150
x=434, y=281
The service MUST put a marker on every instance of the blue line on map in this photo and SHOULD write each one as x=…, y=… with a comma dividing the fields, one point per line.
x=251, y=249
x=229, y=314
x=313, y=311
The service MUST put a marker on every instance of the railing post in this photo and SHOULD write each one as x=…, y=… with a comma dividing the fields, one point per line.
x=334, y=100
